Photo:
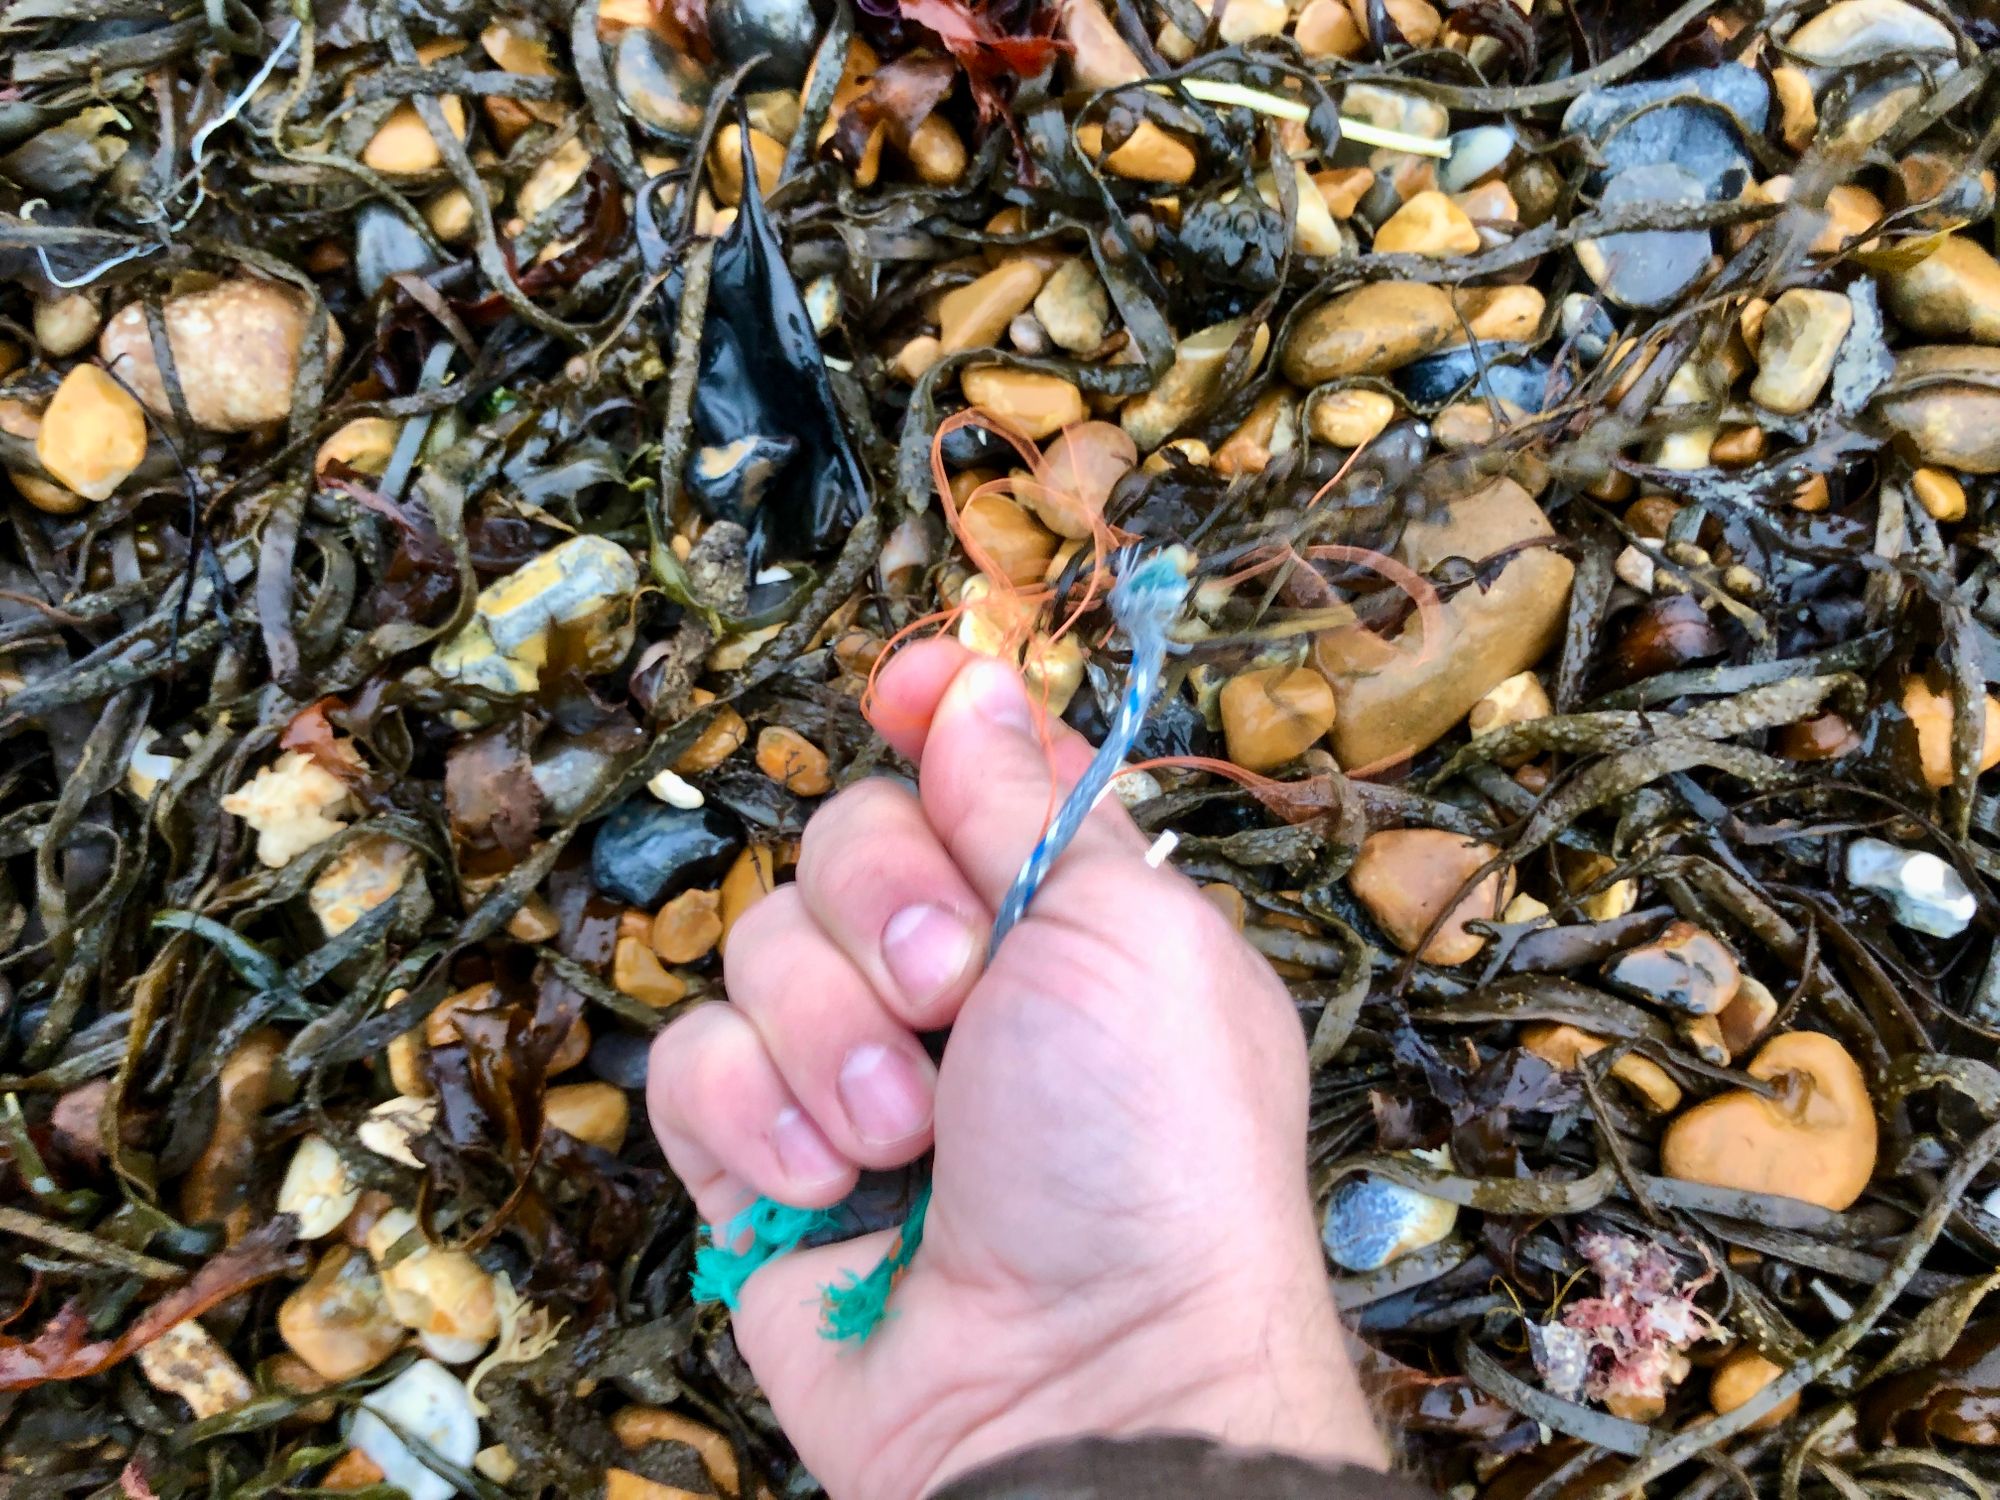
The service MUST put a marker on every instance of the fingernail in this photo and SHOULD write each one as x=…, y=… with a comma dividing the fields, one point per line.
x=803, y=1151
x=999, y=697
x=886, y=1093
x=927, y=950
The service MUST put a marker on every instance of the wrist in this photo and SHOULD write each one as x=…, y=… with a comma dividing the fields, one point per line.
x=1254, y=1361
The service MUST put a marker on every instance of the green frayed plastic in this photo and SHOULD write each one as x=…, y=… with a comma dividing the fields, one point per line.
x=851, y=1312
x=854, y=1311
x=774, y=1228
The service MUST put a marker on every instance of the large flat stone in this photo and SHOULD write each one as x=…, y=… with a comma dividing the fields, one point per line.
x=1395, y=697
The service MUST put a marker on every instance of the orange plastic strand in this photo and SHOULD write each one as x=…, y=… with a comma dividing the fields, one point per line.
x=1429, y=611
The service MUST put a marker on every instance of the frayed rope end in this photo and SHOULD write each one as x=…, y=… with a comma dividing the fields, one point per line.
x=850, y=1312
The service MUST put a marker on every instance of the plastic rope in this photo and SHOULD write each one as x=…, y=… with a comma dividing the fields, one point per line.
x=1144, y=602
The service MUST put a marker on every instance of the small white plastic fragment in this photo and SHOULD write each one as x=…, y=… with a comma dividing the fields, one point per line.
x=429, y=1403
x=1163, y=847
x=675, y=791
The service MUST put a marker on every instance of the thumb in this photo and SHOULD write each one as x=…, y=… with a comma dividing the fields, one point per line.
x=994, y=770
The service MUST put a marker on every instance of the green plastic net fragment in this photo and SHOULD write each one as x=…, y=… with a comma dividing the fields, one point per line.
x=854, y=1311
x=774, y=1228
x=851, y=1311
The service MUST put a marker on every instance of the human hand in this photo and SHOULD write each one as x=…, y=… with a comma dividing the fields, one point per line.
x=1120, y=1236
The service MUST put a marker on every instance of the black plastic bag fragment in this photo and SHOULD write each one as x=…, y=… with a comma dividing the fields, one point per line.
x=763, y=396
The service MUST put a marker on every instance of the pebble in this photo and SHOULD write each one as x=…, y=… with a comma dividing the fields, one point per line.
x=751, y=878
x=385, y=246
x=1489, y=206
x=1244, y=19
x=1406, y=877
x=673, y=790
x=1272, y=715
x=1567, y=1047
x=1395, y=698
x=1825, y=736
x=338, y=1320
x=1417, y=20
x=1190, y=384
x=785, y=31
x=317, y=1189
x=1369, y=331
x=1816, y=1143
x=1343, y=188
x=1742, y=1374
x=1040, y=405
x=1953, y=425
x=1073, y=307
x=1099, y=57
x=1924, y=893
x=1490, y=371
x=451, y=216
x=793, y=761
x=1648, y=268
x=1395, y=109
x=1954, y=292
x=403, y=145
x=1326, y=28
x=974, y=316
x=577, y=588
x=1698, y=140
x=1477, y=154
x=1371, y=1221
x=368, y=871
x=636, y=971
x=1074, y=480
x=1796, y=347
x=1941, y=495
x=1314, y=229
x=1684, y=968
x=1520, y=699
x=1798, y=115
x=236, y=349
x=1349, y=418
x=430, y=1403
x=563, y=168
x=1930, y=715
x=1150, y=154
x=1499, y=314
x=725, y=164
x=93, y=435
x=1859, y=31
x=687, y=928
x=645, y=853
x=620, y=1058
x=365, y=444
x=598, y=1114
x=186, y=1361
x=1428, y=224
x=65, y=324
x=661, y=87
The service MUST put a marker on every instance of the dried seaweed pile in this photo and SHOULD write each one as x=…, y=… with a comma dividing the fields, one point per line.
x=465, y=460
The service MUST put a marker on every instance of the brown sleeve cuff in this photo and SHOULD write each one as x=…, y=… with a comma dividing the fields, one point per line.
x=1169, y=1464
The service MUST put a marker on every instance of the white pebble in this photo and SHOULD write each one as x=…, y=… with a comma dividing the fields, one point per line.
x=430, y=1403
x=1924, y=892
x=674, y=791
x=1636, y=568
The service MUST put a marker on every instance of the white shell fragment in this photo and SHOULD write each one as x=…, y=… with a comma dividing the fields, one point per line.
x=1923, y=892
x=317, y=1189
x=393, y=1124
x=1372, y=1221
x=429, y=1403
